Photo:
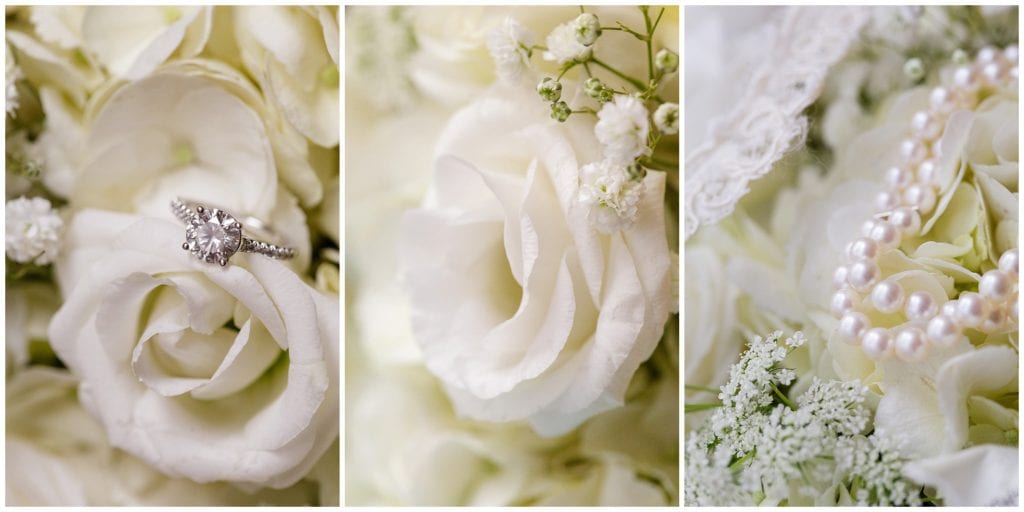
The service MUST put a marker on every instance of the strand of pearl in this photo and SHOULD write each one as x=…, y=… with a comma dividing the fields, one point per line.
x=912, y=192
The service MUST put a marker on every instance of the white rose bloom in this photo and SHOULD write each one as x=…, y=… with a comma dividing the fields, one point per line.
x=552, y=318
x=57, y=455
x=206, y=372
x=175, y=135
x=622, y=129
x=59, y=25
x=131, y=42
x=34, y=230
x=292, y=52
x=42, y=65
x=564, y=47
x=505, y=44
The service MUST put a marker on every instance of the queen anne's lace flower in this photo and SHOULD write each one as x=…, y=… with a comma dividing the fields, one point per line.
x=33, y=231
x=564, y=47
x=506, y=44
x=611, y=196
x=622, y=129
x=756, y=451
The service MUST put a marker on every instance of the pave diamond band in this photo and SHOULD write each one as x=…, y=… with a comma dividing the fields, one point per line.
x=214, y=235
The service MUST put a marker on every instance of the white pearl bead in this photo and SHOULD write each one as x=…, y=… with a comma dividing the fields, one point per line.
x=925, y=125
x=839, y=276
x=866, y=227
x=942, y=100
x=898, y=177
x=911, y=344
x=906, y=220
x=920, y=305
x=993, y=73
x=886, y=201
x=1009, y=262
x=943, y=331
x=965, y=78
x=1011, y=54
x=862, y=249
x=863, y=275
x=971, y=309
x=1011, y=310
x=986, y=55
x=844, y=301
x=994, y=320
x=928, y=173
x=949, y=309
x=886, y=235
x=877, y=343
x=852, y=326
x=1014, y=74
x=913, y=152
x=887, y=296
x=995, y=285
x=921, y=197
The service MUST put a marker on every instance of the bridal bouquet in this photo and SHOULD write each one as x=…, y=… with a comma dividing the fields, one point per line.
x=852, y=263
x=137, y=374
x=512, y=193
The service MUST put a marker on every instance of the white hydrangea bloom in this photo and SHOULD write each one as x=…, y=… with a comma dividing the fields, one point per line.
x=666, y=118
x=33, y=231
x=12, y=74
x=622, y=129
x=505, y=43
x=564, y=47
x=610, y=195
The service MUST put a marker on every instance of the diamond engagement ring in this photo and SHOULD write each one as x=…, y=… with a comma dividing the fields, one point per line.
x=214, y=235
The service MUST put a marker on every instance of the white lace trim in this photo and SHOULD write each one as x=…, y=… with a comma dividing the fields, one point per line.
x=744, y=143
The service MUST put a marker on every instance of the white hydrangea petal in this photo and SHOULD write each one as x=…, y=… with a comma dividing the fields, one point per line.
x=986, y=370
x=983, y=475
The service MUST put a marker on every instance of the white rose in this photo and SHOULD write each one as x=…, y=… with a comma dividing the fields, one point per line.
x=502, y=222
x=405, y=447
x=177, y=135
x=292, y=52
x=203, y=372
x=61, y=457
x=131, y=42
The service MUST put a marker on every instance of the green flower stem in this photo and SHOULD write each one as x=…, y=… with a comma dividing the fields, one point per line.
x=585, y=110
x=782, y=397
x=647, y=41
x=566, y=68
x=632, y=81
x=701, y=388
x=738, y=465
x=688, y=408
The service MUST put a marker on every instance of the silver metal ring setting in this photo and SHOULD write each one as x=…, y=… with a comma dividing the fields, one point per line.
x=214, y=235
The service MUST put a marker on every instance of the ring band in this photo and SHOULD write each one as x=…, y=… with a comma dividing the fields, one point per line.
x=214, y=235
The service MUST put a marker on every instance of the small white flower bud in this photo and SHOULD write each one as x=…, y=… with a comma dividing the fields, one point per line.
x=587, y=28
x=666, y=118
x=914, y=68
x=666, y=61
x=34, y=231
x=550, y=89
x=560, y=111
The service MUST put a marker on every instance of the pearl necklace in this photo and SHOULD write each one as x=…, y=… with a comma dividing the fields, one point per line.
x=912, y=191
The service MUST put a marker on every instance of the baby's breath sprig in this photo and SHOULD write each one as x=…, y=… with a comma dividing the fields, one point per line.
x=632, y=118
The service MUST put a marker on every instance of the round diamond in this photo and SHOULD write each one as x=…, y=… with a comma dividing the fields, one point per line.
x=213, y=235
